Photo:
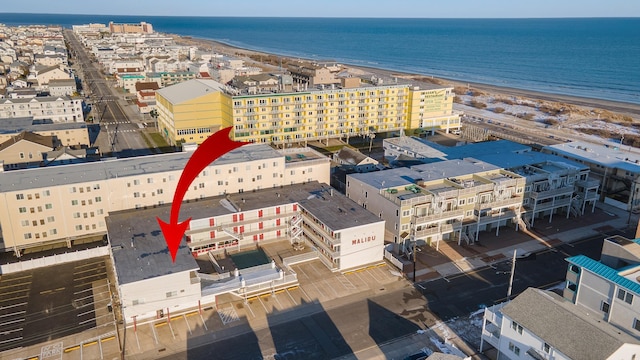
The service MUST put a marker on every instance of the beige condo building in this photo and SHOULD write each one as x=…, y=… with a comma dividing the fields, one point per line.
x=450, y=200
x=63, y=205
x=191, y=111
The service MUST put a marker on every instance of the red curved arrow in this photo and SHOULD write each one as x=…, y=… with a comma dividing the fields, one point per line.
x=212, y=148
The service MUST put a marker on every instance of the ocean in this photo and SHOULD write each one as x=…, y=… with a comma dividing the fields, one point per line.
x=587, y=57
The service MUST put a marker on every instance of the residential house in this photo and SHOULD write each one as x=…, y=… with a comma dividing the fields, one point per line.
x=609, y=288
x=540, y=324
x=146, y=94
x=62, y=87
x=25, y=150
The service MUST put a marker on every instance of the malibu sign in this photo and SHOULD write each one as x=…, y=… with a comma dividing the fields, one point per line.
x=363, y=240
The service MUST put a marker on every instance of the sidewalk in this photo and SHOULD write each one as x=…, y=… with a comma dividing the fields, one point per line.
x=451, y=258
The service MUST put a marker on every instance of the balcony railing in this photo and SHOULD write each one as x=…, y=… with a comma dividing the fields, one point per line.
x=445, y=215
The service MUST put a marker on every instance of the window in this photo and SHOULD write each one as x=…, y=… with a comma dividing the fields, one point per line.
x=636, y=324
x=514, y=349
x=136, y=182
x=517, y=327
x=625, y=295
x=98, y=199
x=574, y=269
x=25, y=222
x=546, y=348
x=604, y=307
x=27, y=236
x=79, y=227
x=19, y=196
x=51, y=219
x=48, y=206
x=23, y=210
x=74, y=202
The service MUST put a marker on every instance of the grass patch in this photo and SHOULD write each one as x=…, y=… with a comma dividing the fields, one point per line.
x=478, y=104
x=158, y=139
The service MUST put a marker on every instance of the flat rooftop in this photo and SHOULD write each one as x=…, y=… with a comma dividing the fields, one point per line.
x=138, y=246
x=430, y=150
x=17, y=125
x=17, y=180
x=611, y=155
x=453, y=168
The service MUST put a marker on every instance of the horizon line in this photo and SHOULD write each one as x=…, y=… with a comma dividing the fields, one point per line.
x=335, y=17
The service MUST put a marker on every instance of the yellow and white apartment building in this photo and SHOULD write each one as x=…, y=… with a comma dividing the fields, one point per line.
x=63, y=205
x=191, y=111
x=448, y=200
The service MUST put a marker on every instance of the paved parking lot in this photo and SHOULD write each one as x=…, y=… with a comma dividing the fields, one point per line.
x=49, y=303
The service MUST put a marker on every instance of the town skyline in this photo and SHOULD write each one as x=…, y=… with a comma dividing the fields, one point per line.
x=332, y=8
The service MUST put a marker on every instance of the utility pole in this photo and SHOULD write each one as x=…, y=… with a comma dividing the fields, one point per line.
x=513, y=271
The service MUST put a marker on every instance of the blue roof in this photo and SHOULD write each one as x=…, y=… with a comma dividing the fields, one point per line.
x=605, y=272
x=637, y=241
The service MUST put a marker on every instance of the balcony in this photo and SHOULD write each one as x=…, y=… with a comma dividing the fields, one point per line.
x=556, y=203
x=445, y=215
x=495, y=217
x=539, y=195
x=318, y=241
x=312, y=225
x=441, y=229
x=513, y=201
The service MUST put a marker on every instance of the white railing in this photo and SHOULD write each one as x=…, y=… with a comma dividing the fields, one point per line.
x=389, y=256
x=296, y=259
x=54, y=260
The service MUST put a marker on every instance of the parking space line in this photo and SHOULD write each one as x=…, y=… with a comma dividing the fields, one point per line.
x=278, y=301
x=13, y=314
x=12, y=306
x=171, y=328
x=15, y=298
x=137, y=340
x=291, y=297
x=303, y=273
x=6, y=332
x=11, y=322
x=92, y=269
x=14, y=285
x=305, y=294
x=153, y=328
x=204, y=323
x=188, y=326
x=317, y=289
x=11, y=340
x=248, y=306
x=85, y=313
x=89, y=264
x=331, y=287
x=86, y=321
x=264, y=307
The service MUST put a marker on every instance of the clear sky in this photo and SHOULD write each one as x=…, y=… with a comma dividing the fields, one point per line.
x=336, y=8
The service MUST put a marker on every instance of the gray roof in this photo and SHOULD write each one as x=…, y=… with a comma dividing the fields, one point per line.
x=527, y=158
x=351, y=156
x=428, y=149
x=16, y=125
x=139, y=249
x=108, y=169
x=388, y=178
x=567, y=327
x=188, y=90
x=610, y=155
x=328, y=205
x=41, y=99
x=452, y=168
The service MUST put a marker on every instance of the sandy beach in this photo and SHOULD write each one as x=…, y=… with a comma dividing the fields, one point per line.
x=588, y=104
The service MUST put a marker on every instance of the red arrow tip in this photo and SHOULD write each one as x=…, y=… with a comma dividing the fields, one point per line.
x=173, y=235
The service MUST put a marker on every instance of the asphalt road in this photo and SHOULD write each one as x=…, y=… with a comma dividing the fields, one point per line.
x=118, y=135
x=466, y=293
x=360, y=324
